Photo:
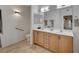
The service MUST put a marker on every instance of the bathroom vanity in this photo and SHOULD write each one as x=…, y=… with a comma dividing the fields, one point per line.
x=55, y=41
x=49, y=36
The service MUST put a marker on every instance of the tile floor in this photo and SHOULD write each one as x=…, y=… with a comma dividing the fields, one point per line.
x=23, y=47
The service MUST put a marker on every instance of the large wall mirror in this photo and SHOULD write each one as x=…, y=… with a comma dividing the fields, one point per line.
x=68, y=22
x=56, y=18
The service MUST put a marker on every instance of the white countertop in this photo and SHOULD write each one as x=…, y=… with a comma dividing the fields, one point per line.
x=56, y=31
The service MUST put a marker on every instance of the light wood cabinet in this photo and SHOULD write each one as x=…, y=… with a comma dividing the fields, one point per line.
x=65, y=44
x=53, y=42
x=40, y=38
x=46, y=44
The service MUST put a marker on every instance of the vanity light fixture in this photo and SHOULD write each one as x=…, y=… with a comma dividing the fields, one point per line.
x=17, y=12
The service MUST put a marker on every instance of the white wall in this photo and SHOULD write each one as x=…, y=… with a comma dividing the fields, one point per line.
x=10, y=21
x=32, y=23
x=76, y=29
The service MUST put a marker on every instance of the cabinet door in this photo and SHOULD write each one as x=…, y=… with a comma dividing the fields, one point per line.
x=65, y=44
x=53, y=42
x=40, y=38
x=45, y=40
x=35, y=37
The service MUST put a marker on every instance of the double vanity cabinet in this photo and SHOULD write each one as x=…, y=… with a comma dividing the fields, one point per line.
x=53, y=42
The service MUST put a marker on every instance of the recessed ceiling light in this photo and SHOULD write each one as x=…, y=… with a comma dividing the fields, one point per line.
x=45, y=9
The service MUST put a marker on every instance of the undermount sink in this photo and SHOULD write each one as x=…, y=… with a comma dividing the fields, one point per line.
x=48, y=29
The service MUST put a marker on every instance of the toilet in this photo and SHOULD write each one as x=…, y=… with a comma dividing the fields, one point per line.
x=28, y=38
x=28, y=41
